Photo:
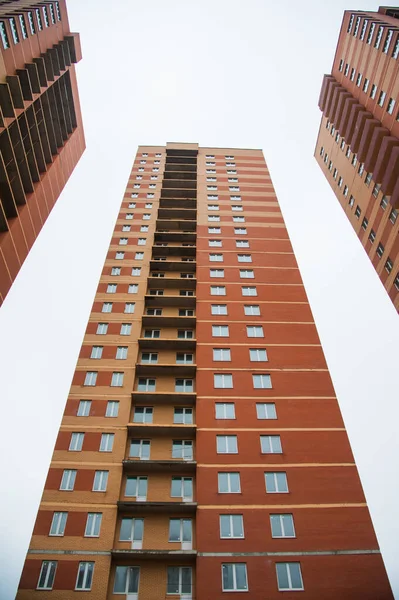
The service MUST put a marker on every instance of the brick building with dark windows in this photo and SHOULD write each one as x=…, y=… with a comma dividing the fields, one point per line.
x=358, y=143
x=202, y=453
x=41, y=133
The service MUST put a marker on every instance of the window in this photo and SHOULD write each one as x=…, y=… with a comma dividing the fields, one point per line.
x=223, y=380
x=76, y=443
x=370, y=34
x=226, y=444
x=182, y=487
x=179, y=581
x=84, y=408
x=186, y=312
x=372, y=236
x=393, y=215
x=23, y=26
x=215, y=243
x=96, y=352
x=255, y=331
x=216, y=273
x=180, y=530
x=129, y=216
x=257, y=354
x=365, y=223
x=218, y=290
x=395, y=51
x=111, y=288
x=373, y=91
x=384, y=202
x=358, y=79
x=116, y=271
x=129, y=307
x=107, y=442
x=244, y=258
x=251, y=309
x=213, y=218
x=221, y=354
x=140, y=449
x=366, y=84
x=213, y=206
x=379, y=37
x=352, y=77
x=4, y=36
x=136, y=487
x=270, y=444
x=144, y=228
x=90, y=378
x=266, y=410
x=390, y=106
x=126, y=328
x=358, y=212
x=239, y=219
x=184, y=385
x=183, y=416
x=184, y=358
x=216, y=257
x=388, y=265
x=142, y=241
x=276, y=482
x=289, y=576
x=146, y=385
x=102, y=328
x=14, y=31
x=149, y=357
x=234, y=577
x=237, y=207
x=229, y=483
x=112, y=409
x=380, y=250
x=249, y=291
x=139, y=256
x=396, y=282
x=132, y=205
x=100, y=481
x=31, y=22
x=381, y=98
x=220, y=330
x=154, y=312
x=120, y=255
x=242, y=244
x=117, y=379
x=58, y=523
x=214, y=230
x=85, y=576
x=143, y=414
x=122, y=241
x=68, y=480
x=262, y=381
x=47, y=574
x=93, y=524
x=185, y=334
x=240, y=231
x=219, y=309
x=121, y=353
x=225, y=410
x=246, y=274
x=231, y=526
x=282, y=526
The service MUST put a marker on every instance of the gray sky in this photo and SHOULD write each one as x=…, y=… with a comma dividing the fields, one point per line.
x=222, y=73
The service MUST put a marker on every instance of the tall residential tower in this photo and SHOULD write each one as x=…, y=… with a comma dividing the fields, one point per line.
x=358, y=142
x=202, y=452
x=41, y=133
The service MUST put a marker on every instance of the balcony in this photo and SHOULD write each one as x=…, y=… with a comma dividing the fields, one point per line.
x=166, y=343
x=168, y=429
x=181, y=168
x=182, y=213
x=130, y=507
x=175, y=282
x=179, y=159
x=175, y=236
x=179, y=203
x=180, y=556
x=173, y=265
x=175, y=175
x=134, y=465
x=189, y=251
x=177, y=183
x=175, y=398
x=176, y=193
x=176, y=225
x=152, y=301
x=158, y=321
x=177, y=370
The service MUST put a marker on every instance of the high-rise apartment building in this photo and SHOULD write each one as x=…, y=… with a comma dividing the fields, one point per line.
x=358, y=142
x=41, y=133
x=202, y=453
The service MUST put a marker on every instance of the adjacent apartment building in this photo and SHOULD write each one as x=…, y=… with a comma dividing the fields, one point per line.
x=358, y=143
x=41, y=134
x=202, y=453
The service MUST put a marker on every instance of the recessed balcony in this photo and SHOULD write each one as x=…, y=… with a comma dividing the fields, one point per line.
x=134, y=465
x=176, y=225
x=178, y=193
x=181, y=168
x=175, y=236
x=156, y=507
x=179, y=203
x=189, y=251
x=178, y=176
x=179, y=556
x=181, y=283
x=181, y=213
x=156, y=321
x=167, y=344
x=175, y=398
x=168, y=429
x=177, y=370
x=178, y=183
x=152, y=301
x=172, y=265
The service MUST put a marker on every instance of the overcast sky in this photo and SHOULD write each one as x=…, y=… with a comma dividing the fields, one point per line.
x=222, y=73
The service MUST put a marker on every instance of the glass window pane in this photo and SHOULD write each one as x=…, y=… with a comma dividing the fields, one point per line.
x=173, y=580
x=134, y=573
x=282, y=576
x=126, y=530
x=120, y=580
x=241, y=577
x=186, y=580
